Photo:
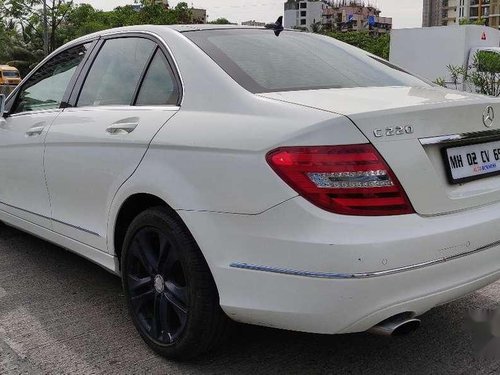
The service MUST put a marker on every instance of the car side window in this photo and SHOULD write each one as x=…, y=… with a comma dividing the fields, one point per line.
x=116, y=72
x=45, y=89
x=159, y=86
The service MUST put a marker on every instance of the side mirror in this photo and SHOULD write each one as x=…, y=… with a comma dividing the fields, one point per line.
x=2, y=105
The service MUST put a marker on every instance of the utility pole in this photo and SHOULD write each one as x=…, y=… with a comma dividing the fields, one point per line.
x=45, y=29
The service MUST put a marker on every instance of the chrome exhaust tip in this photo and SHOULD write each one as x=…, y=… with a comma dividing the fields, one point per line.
x=398, y=325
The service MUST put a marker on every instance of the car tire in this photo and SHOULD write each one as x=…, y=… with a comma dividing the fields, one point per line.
x=170, y=292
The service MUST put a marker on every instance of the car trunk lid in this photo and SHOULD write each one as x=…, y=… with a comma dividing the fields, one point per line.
x=428, y=120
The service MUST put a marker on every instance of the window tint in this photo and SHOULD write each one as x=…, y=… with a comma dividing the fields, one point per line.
x=159, y=86
x=116, y=72
x=46, y=87
x=261, y=62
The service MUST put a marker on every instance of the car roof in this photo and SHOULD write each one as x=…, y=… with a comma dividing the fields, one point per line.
x=158, y=28
x=200, y=27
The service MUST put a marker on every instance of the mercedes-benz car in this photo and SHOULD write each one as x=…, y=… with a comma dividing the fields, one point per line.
x=257, y=175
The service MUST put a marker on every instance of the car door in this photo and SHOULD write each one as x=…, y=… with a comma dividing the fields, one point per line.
x=31, y=111
x=128, y=94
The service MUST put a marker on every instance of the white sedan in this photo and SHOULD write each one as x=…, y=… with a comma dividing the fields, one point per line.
x=275, y=178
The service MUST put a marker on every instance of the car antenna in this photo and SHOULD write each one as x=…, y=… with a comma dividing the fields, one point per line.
x=277, y=26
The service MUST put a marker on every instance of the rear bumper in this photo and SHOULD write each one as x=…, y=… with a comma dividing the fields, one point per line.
x=360, y=275
x=355, y=305
x=297, y=267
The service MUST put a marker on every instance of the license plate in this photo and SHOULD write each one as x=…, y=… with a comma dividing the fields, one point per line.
x=471, y=162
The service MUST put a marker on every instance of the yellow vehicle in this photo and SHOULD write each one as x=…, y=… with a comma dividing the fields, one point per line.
x=9, y=75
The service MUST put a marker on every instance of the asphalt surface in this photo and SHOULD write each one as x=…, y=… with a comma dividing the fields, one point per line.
x=60, y=314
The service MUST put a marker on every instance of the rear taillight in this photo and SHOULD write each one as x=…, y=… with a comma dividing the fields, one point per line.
x=348, y=180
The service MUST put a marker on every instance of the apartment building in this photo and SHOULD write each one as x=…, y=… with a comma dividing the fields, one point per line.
x=303, y=13
x=494, y=14
x=356, y=16
x=432, y=13
x=341, y=15
x=452, y=12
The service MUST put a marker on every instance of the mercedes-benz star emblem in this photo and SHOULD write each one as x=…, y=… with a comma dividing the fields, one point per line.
x=488, y=116
x=159, y=284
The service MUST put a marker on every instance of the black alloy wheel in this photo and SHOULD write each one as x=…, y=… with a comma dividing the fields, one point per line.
x=170, y=291
x=157, y=285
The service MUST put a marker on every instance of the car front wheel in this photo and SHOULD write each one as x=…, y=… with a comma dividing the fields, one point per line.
x=170, y=292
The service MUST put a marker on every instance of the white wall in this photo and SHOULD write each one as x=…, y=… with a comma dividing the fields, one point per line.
x=427, y=51
x=314, y=12
x=290, y=18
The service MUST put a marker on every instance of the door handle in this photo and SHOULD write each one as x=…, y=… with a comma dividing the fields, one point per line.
x=122, y=128
x=35, y=130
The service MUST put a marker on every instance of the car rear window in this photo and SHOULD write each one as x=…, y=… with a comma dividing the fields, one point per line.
x=261, y=62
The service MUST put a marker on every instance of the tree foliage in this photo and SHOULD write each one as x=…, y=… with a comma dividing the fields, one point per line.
x=221, y=21
x=481, y=76
x=484, y=74
x=479, y=21
x=377, y=44
x=22, y=25
x=28, y=18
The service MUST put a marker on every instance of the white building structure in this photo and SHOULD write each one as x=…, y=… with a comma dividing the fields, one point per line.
x=303, y=13
x=452, y=12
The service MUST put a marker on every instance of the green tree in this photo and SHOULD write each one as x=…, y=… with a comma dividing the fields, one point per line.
x=480, y=21
x=221, y=21
x=82, y=20
x=127, y=16
x=377, y=44
x=20, y=42
x=481, y=76
x=29, y=17
x=316, y=27
x=182, y=13
x=58, y=11
x=484, y=73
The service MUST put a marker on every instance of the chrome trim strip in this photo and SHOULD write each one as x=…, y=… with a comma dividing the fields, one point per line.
x=124, y=108
x=49, y=218
x=98, y=35
x=473, y=136
x=362, y=275
x=77, y=227
x=119, y=32
x=176, y=65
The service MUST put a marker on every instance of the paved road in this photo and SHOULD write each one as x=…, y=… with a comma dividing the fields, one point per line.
x=61, y=314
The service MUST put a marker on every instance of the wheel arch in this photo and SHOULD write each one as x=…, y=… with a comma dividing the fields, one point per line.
x=129, y=209
x=132, y=206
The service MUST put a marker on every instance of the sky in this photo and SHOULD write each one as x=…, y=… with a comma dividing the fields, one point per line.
x=405, y=13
